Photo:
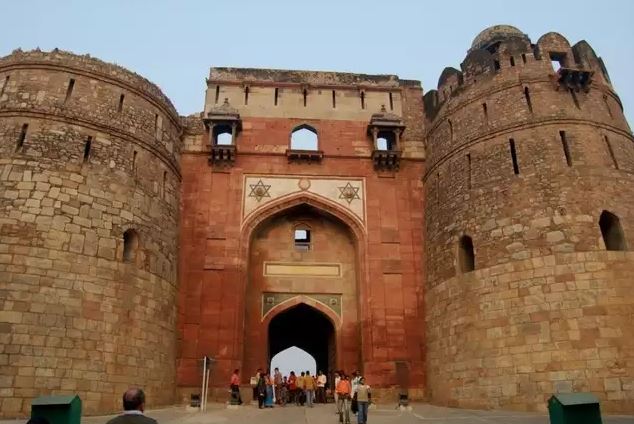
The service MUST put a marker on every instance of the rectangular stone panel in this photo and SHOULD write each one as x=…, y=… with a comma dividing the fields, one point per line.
x=280, y=269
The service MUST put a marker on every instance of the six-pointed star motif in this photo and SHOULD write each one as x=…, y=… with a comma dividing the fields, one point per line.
x=259, y=190
x=349, y=193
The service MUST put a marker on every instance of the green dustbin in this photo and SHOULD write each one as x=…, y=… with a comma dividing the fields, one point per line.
x=574, y=408
x=58, y=409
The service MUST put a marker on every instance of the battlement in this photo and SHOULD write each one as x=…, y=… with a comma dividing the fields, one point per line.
x=90, y=65
x=314, y=78
x=503, y=54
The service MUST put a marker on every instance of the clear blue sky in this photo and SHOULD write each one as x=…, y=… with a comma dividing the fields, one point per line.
x=173, y=43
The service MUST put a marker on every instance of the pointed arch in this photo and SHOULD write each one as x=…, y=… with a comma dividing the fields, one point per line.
x=304, y=137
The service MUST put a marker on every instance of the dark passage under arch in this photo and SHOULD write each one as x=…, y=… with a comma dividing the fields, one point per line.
x=308, y=329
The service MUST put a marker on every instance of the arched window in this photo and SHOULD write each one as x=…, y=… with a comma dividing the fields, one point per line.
x=224, y=138
x=612, y=231
x=130, y=245
x=304, y=137
x=466, y=257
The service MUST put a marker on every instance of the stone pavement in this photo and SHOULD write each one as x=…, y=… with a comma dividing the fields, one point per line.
x=325, y=414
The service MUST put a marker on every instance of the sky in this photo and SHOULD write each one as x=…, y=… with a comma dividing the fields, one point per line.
x=173, y=43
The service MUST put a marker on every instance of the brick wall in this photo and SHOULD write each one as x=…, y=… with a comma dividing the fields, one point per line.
x=74, y=316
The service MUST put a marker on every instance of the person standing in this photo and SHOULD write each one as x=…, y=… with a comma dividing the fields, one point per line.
x=268, y=399
x=284, y=392
x=292, y=387
x=235, y=387
x=336, y=396
x=321, y=387
x=261, y=390
x=301, y=398
x=254, y=383
x=356, y=375
x=364, y=397
x=343, y=394
x=309, y=388
x=278, y=380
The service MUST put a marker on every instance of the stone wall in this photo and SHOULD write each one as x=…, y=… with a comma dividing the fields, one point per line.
x=547, y=308
x=80, y=166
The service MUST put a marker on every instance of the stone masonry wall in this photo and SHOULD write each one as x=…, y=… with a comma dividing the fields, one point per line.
x=547, y=309
x=74, y=316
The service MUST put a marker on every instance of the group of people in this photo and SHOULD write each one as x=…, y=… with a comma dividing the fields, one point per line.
x=281, y=390
x=350, y=393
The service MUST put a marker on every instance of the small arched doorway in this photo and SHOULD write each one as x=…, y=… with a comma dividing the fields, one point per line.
x=308, y=329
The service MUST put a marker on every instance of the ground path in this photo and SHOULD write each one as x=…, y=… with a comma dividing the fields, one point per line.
x=325, y=414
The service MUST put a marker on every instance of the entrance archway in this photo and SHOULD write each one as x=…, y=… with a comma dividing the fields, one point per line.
x=308, y=329
x=302, y=263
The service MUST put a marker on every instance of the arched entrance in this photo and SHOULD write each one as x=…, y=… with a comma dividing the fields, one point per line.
x=302, y=288
x=308, y=329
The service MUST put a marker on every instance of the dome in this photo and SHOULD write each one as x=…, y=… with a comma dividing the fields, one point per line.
x=494, y=33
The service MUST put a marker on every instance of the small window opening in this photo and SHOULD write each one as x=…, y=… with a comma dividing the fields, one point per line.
x=496, y=65
x=363, y=100
x=527, y=96
x=223, y=135
x=5, y=85
x=302, y=239
x=246, y=96
x=130, y=245
x=386, y=140
x=391, y=102
x=524, y=57
x=69, y=90
x=450, y=129
x=134, y=157
x=164, y=186
x=612, y=232
x=516, y=168
x=512, y=61
x=466, y=257
x=564, y=144
x=575, y=99
x=607, y=105
x=87, y=146
x=469, y=170
x=121, y=100
x=22, y=138
x=217, y=94
x=485, y=111
x=438, y=188
x=304, y=137
x=277, y=92
x=557, y=60
x=305, y=92
x=158, y=127
x=334, y=99
x=611, y=151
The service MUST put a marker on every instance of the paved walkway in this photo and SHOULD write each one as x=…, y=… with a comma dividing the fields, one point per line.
x=325, y=414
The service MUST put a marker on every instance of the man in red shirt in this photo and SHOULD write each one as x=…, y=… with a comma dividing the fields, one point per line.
x=235, y=388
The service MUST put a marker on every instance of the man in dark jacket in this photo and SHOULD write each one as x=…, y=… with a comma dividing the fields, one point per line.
x=133, y=406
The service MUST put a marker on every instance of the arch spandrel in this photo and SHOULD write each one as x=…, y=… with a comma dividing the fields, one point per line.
x=346, y=195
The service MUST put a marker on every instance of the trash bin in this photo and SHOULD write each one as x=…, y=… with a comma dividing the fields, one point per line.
x=574, y=408
x=57, y=409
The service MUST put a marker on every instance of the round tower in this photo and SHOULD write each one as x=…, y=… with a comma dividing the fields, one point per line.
x=89, y=194
x=529, y=223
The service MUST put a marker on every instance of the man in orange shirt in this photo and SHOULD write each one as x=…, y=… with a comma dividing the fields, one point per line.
x=344, y=390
